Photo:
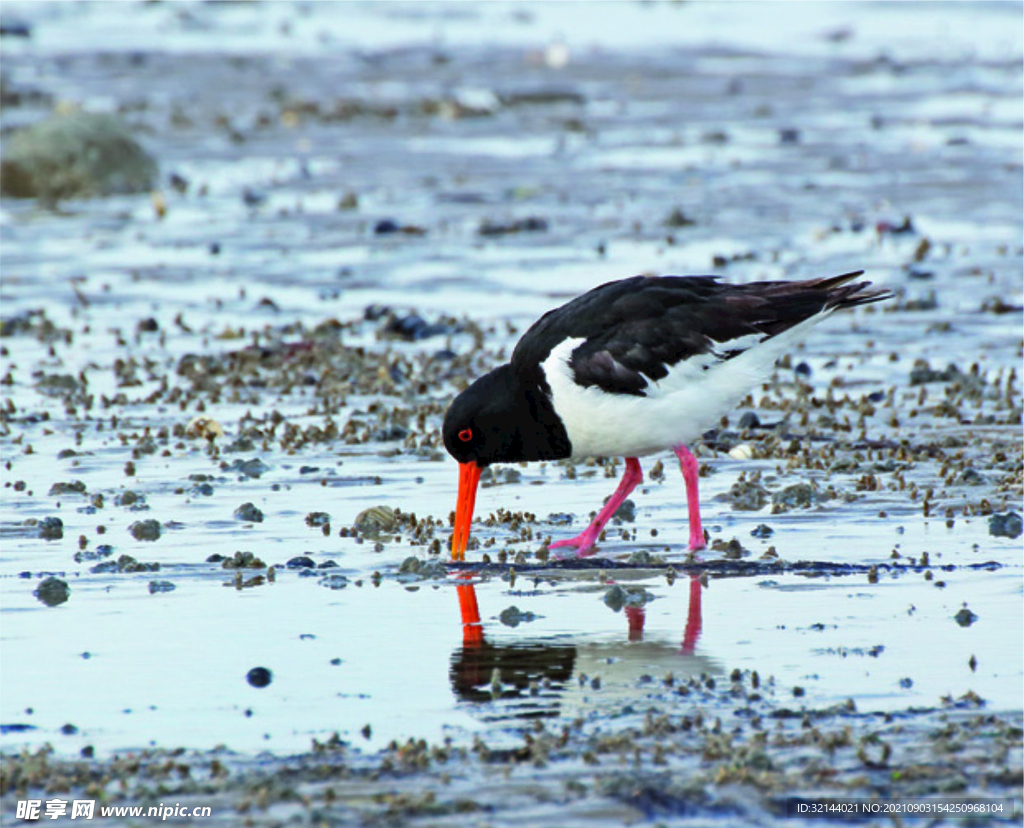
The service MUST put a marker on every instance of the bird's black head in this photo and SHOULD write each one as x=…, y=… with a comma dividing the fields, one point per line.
x=502, y=419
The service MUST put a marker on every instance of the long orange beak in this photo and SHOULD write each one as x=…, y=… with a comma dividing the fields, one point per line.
x=469, y=477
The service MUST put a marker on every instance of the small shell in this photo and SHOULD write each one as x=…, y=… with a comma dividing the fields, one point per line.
x=376, y=521
x=744, y=451
x=203, y=426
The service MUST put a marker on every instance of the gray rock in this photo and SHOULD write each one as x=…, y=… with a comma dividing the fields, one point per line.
x=747, y=496
x=145, y=530
x=376, y=521
x=1007, y=525
x=797, y=496
x=513, y=616
x=618, y=597
x=249, y=513
x=626, y=513
x=77, y=155
x=52, y=528
x=965, y=617
x=52, y=591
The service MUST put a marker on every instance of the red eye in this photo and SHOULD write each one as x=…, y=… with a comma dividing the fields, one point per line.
x=466, y=435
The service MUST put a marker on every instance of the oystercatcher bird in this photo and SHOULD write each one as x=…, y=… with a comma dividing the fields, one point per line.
x=631, y=368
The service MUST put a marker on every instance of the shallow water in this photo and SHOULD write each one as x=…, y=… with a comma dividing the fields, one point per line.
x=647, y=131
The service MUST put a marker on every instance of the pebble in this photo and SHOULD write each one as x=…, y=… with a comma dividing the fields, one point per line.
x=626, y=513
x=145, y=530
x=797, y=496
x=1008, y=525
x=334, y=580
x=52, y=591
x=965, y=617
x=749, y=420
x=513, y=616
x=74, y=487
x=51, y=528
x=376, y=521
x=259, y=677
x=531, y=224
x=747, y=496
x=617, y=597
x=248, y=513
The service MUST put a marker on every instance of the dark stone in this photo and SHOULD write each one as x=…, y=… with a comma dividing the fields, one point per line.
x=12, y=27
x=390, y=434
x=259, y=677
x=677, y=218
x=513, y=617
x=250, y=468
x=971, y=477
x=252, y=198
x=626, y=512
x=318, y=519
x=52, y=591
x=965, y=617
x=747, y=496
x=532, y=224
x=51, y=528
x=749, y=420
x=249, y=513
x=413, y=328
x=334, y=580
x=797, y=496
x=618, y=597
x=76, y=487
x=145, y=530
x=923, y=373
x=1008, y=525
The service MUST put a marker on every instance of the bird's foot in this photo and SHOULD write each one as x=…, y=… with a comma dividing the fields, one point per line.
x=697, y=541
x=583, y=543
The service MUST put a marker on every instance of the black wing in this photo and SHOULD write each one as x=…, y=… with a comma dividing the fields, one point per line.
x=635, y=329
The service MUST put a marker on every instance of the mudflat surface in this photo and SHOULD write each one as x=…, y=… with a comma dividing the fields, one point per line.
x=220, y=412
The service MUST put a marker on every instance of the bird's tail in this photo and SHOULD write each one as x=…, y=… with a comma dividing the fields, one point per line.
x=793, y=302
x=838, y=292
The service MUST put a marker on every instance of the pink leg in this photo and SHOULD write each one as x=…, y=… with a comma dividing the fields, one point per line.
x=585, y=540
x=693, y=618
x=690, y=468
x=635, y=619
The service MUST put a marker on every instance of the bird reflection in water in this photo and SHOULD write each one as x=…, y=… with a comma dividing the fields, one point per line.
x=543, y=679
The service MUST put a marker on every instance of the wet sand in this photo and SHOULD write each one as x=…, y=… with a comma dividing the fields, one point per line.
x=221, y=403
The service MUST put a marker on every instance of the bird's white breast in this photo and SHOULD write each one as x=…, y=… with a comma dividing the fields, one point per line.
x=675, y=410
